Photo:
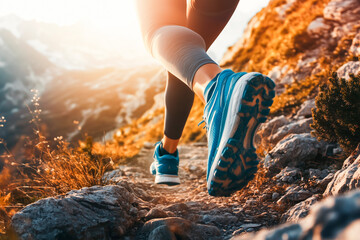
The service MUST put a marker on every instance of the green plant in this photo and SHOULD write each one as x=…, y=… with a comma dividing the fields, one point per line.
x=337, y=113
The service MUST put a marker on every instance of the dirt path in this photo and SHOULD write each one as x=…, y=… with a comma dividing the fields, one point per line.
x=245, y=211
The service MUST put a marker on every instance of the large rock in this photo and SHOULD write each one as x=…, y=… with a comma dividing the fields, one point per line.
x=155, y=213
x=355, y=46
x=348, y=177
x=89, y=213
x=267, y=129
x=350, y=67
x=305, y=109
x=299, y=126
x=300, y=210
x=220, y=219
x=179, y=228
x=342, y=11
x=293, y=151
x=289, y=175
x=335, y=218
x=294, y=194
x=279, y=127
x=318, y=26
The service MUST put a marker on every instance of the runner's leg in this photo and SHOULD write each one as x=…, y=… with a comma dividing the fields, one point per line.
x=200, y=15
x=179, y=98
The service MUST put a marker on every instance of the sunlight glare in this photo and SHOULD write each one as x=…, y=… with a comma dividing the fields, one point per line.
x=106, y=14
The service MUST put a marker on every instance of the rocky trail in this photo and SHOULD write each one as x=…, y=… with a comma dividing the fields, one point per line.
x=295, y=174
x=131, y=206
x=189, y=201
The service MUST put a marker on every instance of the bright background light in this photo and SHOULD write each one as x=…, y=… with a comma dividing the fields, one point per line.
x=107, y=13
x=118, y=18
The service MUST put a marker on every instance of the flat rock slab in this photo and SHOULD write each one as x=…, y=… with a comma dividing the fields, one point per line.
x=296, y=127
x=89, y=213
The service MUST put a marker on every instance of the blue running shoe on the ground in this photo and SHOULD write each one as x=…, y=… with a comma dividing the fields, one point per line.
x=165, y=166
x=236, y=103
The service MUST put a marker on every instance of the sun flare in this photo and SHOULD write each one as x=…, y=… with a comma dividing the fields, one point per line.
x=109, y=13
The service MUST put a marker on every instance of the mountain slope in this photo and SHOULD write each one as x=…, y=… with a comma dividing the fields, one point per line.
x=297, y=43
x=77, y=95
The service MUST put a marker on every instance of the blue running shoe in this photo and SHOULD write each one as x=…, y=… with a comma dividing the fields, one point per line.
x=236, y=103
x=165, y=166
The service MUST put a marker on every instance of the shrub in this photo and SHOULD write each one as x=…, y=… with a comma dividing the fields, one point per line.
x=337, y=113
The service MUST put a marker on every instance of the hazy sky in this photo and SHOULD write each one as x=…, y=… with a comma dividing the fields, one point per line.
x=118, y=17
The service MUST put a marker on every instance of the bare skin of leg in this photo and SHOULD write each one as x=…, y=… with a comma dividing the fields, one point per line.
x=202, y=78
x=170, y=145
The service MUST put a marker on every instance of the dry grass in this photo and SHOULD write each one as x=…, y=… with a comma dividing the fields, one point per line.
x=129, y=139
x=64, y=168
x=276, y=42
x=47, y=168
x=297, y=93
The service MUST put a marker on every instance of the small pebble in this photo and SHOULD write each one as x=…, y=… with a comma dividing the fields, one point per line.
x=275, y=195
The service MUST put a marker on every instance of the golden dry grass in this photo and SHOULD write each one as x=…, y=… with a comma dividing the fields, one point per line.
x=276, y=42
x=47, y=168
